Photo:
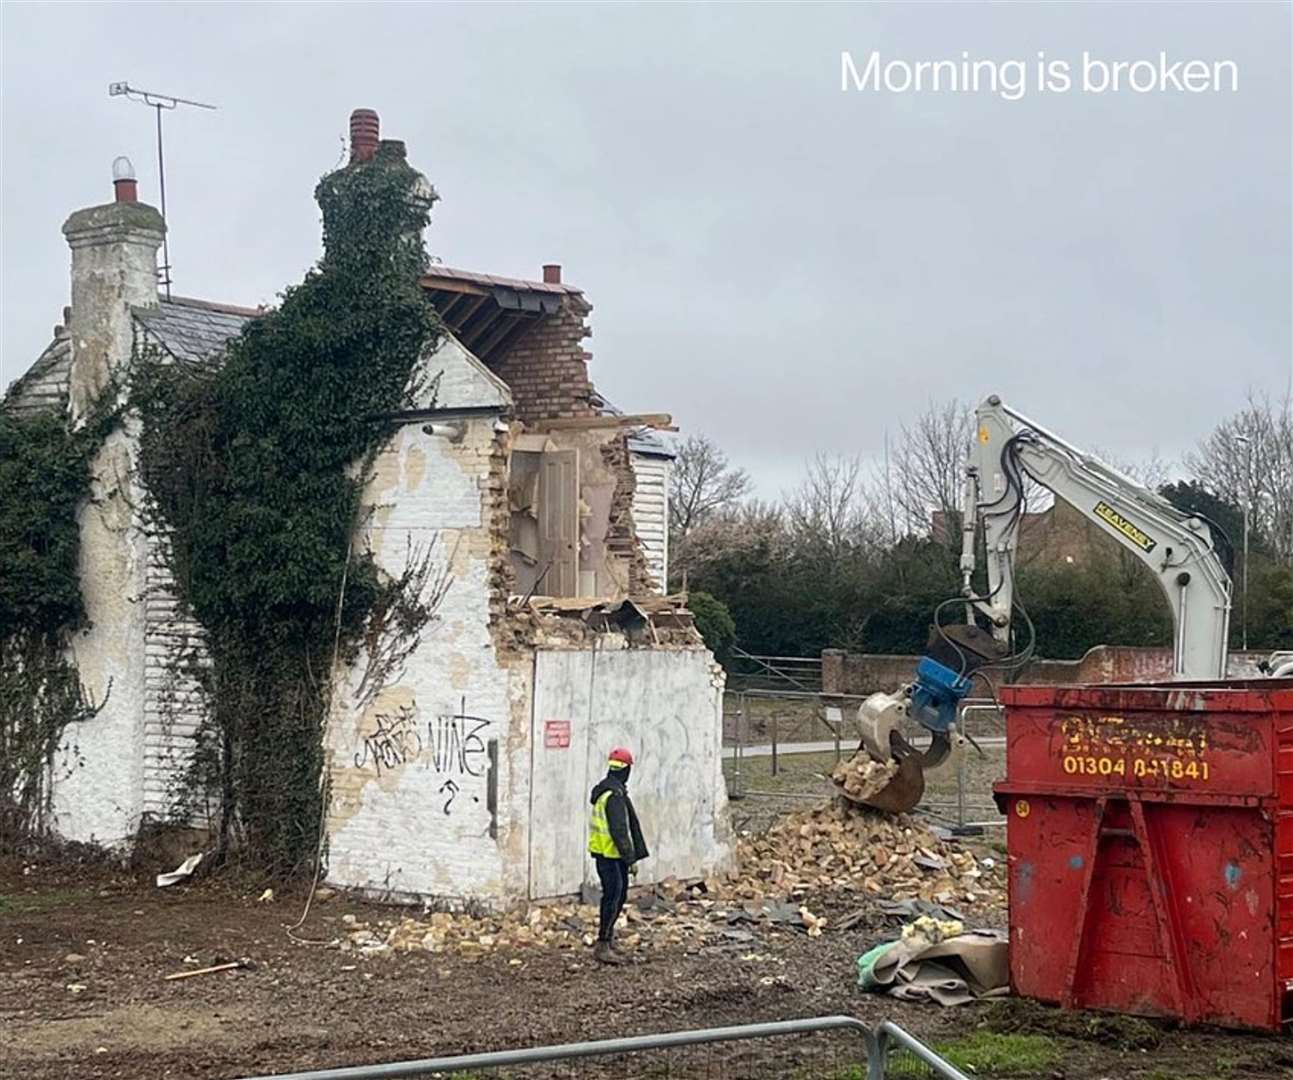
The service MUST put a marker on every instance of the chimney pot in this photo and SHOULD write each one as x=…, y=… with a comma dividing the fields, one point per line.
x=552, y=273
x=365, y=128
x=123, y=180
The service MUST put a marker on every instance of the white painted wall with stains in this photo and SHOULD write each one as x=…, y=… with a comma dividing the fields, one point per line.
x=411, y=762
x=666, y=707
x=98, y=769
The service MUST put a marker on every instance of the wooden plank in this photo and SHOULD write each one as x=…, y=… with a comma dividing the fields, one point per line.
x=482, y=323
x=659, y=421
x=454, y=285
x=462, y=317
x=502, y=328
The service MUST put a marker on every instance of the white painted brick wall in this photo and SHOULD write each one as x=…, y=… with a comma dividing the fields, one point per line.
x=98, y=769
x=409, y=768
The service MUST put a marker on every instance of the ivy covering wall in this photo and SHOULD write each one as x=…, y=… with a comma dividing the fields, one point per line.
x=45, y=481
x=256, y=471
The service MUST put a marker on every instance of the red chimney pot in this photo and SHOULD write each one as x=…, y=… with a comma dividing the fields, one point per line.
x=552, y=273
x=365, y=128
x=123, y=180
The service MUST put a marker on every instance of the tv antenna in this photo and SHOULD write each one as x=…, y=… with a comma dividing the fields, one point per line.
x=158, y=102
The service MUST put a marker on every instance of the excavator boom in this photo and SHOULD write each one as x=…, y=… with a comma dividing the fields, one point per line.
x=1010, y=453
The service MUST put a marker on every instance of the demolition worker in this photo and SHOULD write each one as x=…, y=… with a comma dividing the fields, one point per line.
x=616, y=844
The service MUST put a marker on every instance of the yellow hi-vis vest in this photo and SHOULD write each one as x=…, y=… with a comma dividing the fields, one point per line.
x=599, y=832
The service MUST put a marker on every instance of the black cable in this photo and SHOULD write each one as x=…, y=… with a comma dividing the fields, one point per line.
x=1218, y=532
x=1013, y=469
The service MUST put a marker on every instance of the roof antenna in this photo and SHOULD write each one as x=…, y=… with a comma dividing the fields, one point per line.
x=158, y=102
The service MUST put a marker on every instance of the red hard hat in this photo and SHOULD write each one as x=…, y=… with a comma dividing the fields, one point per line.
x=621, y=755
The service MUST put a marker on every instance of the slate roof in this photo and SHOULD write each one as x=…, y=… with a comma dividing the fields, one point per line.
x=496, y=281
x=197, y=331
x=45, y=384
x=194, y=330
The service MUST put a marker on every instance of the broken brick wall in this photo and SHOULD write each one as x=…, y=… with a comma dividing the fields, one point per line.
x=621, y=534
x=547, y=370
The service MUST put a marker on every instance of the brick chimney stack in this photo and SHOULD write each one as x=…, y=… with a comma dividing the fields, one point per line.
x=365, y=130
x=114, y=270
x=552, y=273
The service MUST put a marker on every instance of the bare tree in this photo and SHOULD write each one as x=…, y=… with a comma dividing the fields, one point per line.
x=705, y=492
x=924, y=477
x=1248, y=460
x=829, y=512
x=701, y=483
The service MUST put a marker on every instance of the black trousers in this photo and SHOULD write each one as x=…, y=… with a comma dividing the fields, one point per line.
x=614, y=876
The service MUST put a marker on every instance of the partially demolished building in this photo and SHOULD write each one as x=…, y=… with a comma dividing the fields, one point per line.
x=538, y=513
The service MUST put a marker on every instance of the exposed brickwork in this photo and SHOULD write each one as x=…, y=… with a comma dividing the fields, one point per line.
x=547, y=370
x=497, y=512
x=621, y=533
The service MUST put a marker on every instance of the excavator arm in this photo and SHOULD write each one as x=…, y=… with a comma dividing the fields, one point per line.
x=1177, y=547
x=1008, y=453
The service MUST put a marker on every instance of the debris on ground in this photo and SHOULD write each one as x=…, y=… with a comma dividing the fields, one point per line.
x=937, y=961
x=838, y=847
x=230, y=965
x=809, y=860
x=181, y=872
x=928, y=931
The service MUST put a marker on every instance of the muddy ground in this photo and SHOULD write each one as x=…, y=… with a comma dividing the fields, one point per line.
x=65, y=926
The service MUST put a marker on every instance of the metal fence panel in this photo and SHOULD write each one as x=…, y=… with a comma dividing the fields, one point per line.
x=780, y=725
x=874, y=1053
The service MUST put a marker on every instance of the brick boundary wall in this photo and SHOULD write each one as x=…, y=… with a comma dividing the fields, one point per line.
x=866, y=673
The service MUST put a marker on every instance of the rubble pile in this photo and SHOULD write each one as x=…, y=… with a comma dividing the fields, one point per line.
x=842, y=847
x=832, y=853
x=562, y=926
x=862, y=776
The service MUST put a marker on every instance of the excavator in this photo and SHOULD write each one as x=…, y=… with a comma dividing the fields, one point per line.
x=1008, y=452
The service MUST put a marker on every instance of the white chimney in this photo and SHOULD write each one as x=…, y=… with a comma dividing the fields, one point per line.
x=114, y=269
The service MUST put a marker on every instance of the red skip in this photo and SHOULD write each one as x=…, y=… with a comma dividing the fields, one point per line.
x=1150, y=839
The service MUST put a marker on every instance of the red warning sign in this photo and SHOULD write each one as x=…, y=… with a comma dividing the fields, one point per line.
x=556, y=734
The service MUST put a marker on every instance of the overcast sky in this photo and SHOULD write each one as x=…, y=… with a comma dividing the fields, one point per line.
x=783, y=266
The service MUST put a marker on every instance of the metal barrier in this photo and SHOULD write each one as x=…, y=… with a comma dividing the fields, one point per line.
x=748, y=671
x=877, y=1045
x=778, y=724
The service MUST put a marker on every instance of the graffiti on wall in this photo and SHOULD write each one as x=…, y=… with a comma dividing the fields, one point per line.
x=457, y=750
x=455, y=746
x=395, y=741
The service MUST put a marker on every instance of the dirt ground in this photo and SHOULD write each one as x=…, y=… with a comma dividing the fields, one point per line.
x=84, y=951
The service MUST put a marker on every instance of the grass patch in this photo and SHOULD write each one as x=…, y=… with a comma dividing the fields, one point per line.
x=994, y=1054
x=983, y=1053
x=33, y=903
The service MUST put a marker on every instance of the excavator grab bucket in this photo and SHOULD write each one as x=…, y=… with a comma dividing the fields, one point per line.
x=892, y=781
x=904, y=790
